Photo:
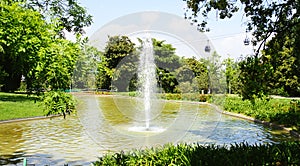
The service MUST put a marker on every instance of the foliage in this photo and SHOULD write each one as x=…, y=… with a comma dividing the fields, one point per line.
x=32, y=49
x=86, y=65
x=54, y=72
x=125, y=76
x=290, y=118
x=216, y=79
x=167, y=62
x=192, y=75
x=178, y=75
x=275, y=20
x=278, y=64
x=116, y=49
x=285, y=153
x=168, y=81
x=232, y=72
x=14, y=106
x=279, y=111
x=71, y=16
x=282, y=56
x=165, y=56
x=119, y=67
x=186, y=96
x=57, y=102
x=23, y=33
x=264, y=17
x=251, y=72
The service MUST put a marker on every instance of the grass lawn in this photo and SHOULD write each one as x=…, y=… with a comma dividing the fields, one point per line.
x=14, y=106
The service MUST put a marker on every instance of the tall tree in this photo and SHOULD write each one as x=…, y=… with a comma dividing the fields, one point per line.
x=23, y=32
x=231, y=73
x=215, y=77
x=57, y=63
x=282, y=55
x=117, y=48
x=193, y=75
x=254, y=78
x=165, y=56
x=167, y=62
x=86, y=65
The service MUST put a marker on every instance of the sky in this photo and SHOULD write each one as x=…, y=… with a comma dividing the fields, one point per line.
x=226, y=36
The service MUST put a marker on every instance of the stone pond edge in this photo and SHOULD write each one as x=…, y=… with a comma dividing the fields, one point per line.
x=28, y=119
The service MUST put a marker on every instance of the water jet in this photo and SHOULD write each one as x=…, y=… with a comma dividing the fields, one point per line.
x=147, y=80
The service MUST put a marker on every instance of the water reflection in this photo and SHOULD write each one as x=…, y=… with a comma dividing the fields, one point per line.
x=100, y=127
x=46, y=142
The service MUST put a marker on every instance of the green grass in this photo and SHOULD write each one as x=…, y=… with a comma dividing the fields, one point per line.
x=14, y=106
x=284, y=153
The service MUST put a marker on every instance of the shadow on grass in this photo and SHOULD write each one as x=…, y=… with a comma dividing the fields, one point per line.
x=14, y=97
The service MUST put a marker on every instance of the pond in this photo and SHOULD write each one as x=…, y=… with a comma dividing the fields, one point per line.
x=107, y=124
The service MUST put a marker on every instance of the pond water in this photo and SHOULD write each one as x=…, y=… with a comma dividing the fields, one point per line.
x=108, y=124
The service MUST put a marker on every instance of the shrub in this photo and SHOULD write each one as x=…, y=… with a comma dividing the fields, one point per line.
x=279, y=111
x=57, y=102
x=203, y=98
x=186, y=96
x=285, y=153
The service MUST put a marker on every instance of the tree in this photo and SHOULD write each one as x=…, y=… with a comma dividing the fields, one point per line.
x=116, y=49
x=167, y=62
x=231, y=74
x=282, y=56
x=23, y=32
x=275, y=71
x=192, y=73
x=165, y=56
x=215, y=77
x=126, y=76
x=254, y=78
x=57, y=102
x=57, y=63
x=69, y=14
x=86, y=65
x=30, y=47
x=264, y=17
x=167, y=81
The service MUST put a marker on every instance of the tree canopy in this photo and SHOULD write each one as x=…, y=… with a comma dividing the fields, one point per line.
x=282, y=57
x=23, y=32
x=70, y=15
x=86, y=65
x=29, y=39
x=117, y=48
x=263, y=17
x=174, y=74
x=275, y=27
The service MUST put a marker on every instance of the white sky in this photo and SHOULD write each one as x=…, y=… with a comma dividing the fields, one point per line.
x=226, y=36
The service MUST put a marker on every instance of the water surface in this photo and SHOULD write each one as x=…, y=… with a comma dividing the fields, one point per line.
x=103, y=124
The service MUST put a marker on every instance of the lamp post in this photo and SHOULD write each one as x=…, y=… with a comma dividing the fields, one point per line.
x=160, y=82
x=208, y=80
